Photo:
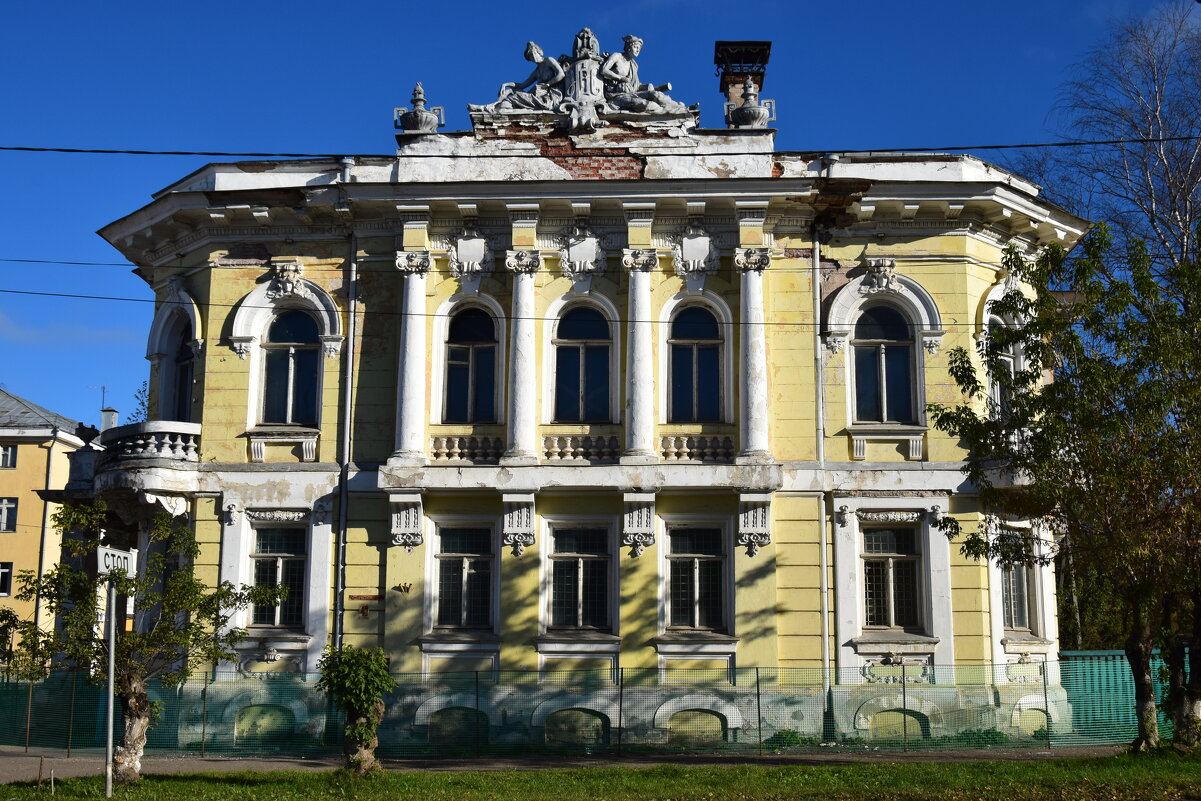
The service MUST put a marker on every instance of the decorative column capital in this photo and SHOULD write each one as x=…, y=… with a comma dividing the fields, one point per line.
x=408, y=521
x=414, y=262
x=748, y=259
x=639, y=259
x=754, y=522
x=518, y=530
x=523, y=261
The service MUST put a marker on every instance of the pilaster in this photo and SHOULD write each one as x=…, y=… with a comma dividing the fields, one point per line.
x=639, y=260
x=523, y=261
x=413, y=260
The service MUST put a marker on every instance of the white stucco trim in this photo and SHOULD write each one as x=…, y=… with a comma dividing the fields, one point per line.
x=669, y=521
x=725, y=319
x=433, y=525
x=437, y=352
x=935, y=598
x=547, y=524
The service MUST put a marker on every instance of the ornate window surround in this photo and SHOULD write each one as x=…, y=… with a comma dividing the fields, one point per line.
x=676, y=644
x=554, y=314
x=856, y=649
x=712, y=302
x=437, y=352
x=175, y=308
x=434, y=523
x=238, y=541
x=255, y=312
x=1040, y=589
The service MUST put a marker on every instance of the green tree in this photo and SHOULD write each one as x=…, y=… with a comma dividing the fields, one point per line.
x=1101, y=454
x=357, y=679
x=179, y=621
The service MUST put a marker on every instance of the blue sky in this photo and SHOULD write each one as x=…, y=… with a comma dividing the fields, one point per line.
x=320, y=77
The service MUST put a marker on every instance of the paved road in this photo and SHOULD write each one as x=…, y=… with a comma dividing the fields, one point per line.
x=16, y=765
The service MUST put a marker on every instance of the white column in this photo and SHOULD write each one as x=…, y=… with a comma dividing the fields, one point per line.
x=523, y=394
x=640, y=372
x=411, y=403
x=751, y=262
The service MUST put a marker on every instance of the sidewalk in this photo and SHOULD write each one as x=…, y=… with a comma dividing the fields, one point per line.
x=16, y=765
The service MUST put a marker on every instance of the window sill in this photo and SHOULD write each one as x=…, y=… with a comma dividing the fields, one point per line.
x=460, y=642
x=695, y=643
x=262, y=435
x=1023, y=642
x=566, y=642
x=880, y=642
x=911, y=434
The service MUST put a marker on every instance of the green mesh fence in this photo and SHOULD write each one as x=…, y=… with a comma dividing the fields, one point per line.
x=1087, y=698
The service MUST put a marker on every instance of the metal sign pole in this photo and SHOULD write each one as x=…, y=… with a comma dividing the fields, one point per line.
x=112, y=663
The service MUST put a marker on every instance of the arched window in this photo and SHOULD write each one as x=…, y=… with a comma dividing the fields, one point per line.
x=180, y=386
x=883, y=353
x=696, y=380
x=291, y=377
x=582, y=367
x=471, y=368
x=999, y=387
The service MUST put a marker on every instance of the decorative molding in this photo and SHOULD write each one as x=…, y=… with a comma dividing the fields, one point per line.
x=523, y=261
x=638, y=522
x=518, y=526
x=471, y=258
x=881, y=276
x=843, y=515
x=307, y=440
x=322, y=511
x=408, y=521
x=233, y=515
x=694, y=256
x=287, y=280
x=581, y=256
x=278, y=515
x=888, y=516
x=639, y=259
x=754, y=522
x=413, y=262
x=757, y=259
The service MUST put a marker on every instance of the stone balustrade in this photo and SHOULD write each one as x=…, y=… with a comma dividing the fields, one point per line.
x=478, y=450
x=156, y=439
x=695, y=448
x=581, y=447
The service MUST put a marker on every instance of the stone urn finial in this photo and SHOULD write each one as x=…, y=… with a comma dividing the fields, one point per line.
x=752, y=113
x=420, y=120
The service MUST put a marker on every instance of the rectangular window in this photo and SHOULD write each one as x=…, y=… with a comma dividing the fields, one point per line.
x=279, y=560
x=580, y=565
x=8, y=514
x=465, y=578
x=6, y=580
x=8, y=457
x=891, y=586
x=696, y=579
x=1015, y=597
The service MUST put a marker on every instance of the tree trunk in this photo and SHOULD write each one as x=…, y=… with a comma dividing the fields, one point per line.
x=135, y=719
x=1185, y=672
x=360, y=739
x=1139, y=649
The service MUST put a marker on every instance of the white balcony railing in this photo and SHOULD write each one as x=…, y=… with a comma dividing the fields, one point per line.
x=479, y=450
x=581, y=448
x=694, y=448
x=158, y=439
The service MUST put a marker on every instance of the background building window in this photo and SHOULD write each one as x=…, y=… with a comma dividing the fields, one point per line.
x=580, y=579
x=891, y=587
x=8, y=457
x=471, y=368
x=292, y=376
x=696, y=591
x=279, y=560
x=582, y=367
x=883, y=353
x=8, y=514
x=6, y=581
x=696, y=382
x=465, y=578
x=1015, y=596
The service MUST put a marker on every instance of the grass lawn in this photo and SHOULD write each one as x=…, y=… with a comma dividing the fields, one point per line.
x=1123, y=778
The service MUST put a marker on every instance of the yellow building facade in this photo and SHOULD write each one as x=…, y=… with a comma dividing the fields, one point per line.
x=34, y=443
x=586, y=387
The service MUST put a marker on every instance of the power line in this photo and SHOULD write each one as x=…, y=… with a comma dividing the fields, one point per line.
x=511, y=156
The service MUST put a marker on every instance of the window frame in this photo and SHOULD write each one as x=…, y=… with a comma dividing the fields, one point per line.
x=8, y=456
x=720, y=344
x=1029, y=583
x=881, y=363
x=890, y=560
x=497, y=371
x=7, y=578
x=549, y=525
x=617, y=379
x=582, y=346
x=672, y=523
x=266, y=347
x=9, y=508
x=279, y=558
x=432, y=605
x=729, y=371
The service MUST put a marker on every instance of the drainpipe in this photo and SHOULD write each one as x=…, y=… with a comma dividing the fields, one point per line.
x=352, y=283
x=820, y=414
x=37, y=601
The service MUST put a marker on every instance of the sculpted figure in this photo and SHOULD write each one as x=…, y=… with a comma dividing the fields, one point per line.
x=545, y=94
x=625, y=90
